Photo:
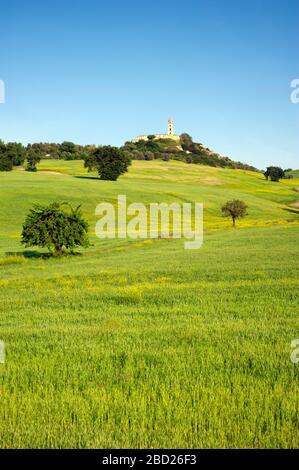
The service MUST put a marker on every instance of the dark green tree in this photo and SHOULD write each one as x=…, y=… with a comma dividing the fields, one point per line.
x=67, y=151
x=109, y=162
x=6, y=163
x=57, y=227
x=187, y=142
x=275, y=173
x=235, y=209
x=67, y=147
x=33, y=158
x=16, y=152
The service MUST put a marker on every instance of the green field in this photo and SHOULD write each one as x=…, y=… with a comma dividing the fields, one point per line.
x=142, y=343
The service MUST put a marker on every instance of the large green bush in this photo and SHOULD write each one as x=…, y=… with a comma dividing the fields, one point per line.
x=57, y=227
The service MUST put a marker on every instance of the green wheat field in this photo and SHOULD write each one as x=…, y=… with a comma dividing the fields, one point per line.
x=143, y=344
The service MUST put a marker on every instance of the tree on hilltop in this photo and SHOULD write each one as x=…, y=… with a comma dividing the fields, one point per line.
x=187, y=142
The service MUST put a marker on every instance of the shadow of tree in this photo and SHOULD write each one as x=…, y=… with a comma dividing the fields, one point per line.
x=88, y=177
x=30, y=254
x=293, y=211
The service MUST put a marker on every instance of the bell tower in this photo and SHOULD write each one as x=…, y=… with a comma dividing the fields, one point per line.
x=170, y=127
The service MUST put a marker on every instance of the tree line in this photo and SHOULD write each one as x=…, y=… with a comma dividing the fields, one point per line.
x=16, y=154
x=111, y=162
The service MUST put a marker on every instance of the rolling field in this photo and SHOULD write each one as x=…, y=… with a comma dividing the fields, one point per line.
x=142, y=343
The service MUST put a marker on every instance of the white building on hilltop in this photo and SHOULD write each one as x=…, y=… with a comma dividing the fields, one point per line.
x=170, y=134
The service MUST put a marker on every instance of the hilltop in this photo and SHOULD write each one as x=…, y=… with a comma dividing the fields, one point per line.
x=148, y=147
x=183, y=149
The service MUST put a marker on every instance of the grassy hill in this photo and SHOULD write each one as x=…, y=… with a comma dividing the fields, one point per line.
x=143, y=343
x=146, y=182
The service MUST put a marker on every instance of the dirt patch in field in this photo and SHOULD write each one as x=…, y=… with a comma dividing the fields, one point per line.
x=295, y=205
x=211, y=180
x=47, y=172
x=50, y=172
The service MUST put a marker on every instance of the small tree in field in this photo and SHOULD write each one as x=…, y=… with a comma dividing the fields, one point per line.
x=55, y=228
x=110, y=162
x=235, y=209
x=33, y=158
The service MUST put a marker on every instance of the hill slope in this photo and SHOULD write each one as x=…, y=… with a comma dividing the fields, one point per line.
x=146, y=182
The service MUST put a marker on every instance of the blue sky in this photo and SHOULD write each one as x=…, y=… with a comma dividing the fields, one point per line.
x=103, y=72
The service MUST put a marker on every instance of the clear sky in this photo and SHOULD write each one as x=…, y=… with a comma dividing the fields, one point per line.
x=105, y=71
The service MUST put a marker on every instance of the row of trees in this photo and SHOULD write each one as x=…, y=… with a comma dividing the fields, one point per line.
x=15, y=154
x=111, y=162
x=65, y=151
